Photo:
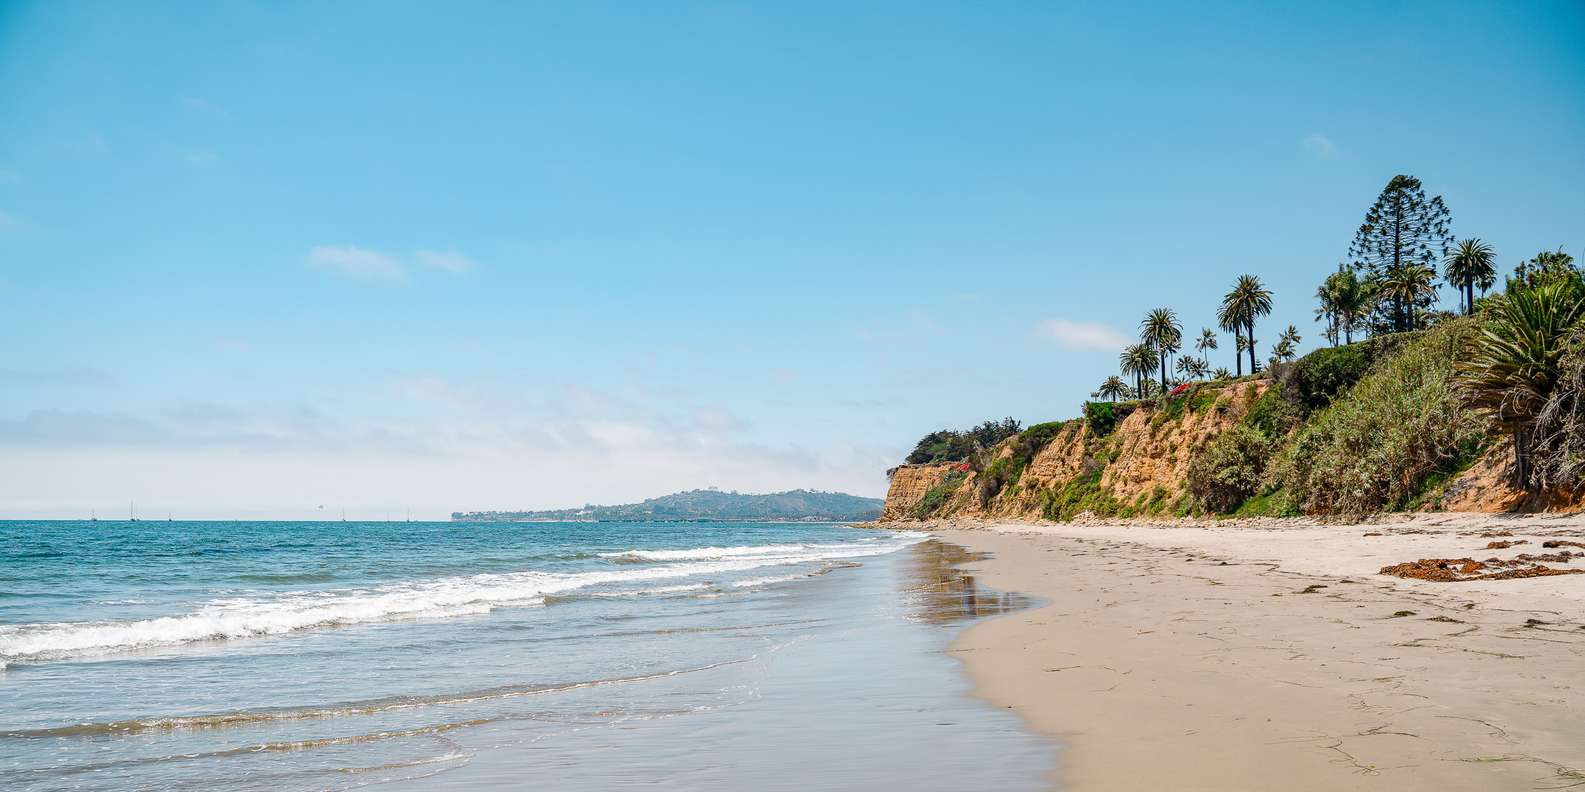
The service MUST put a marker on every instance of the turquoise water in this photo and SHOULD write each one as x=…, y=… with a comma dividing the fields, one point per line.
x=249, y=655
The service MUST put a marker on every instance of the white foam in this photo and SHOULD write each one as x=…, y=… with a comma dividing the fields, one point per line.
x=426, y=599
x=766, y=581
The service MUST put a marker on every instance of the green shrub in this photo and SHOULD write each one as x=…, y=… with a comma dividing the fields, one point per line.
x=1272, y=503
x=1317, y=379
x=1103, y=417
x=1271, y=414
x=1376, y=447
x=1082, y=493
x=948, y=445
x=1229, y=469
x=1004, y=472
x=1000, y=475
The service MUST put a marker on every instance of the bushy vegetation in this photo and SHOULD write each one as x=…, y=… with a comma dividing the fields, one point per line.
x=1103, y=417
x=1005, y=471
x=1229, y=470
x=948, y=445
x=1313, y=381
x=1080, y=494
x=1376, y=448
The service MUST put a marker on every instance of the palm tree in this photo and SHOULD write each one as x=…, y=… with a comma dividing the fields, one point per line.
x=1404, y=286
x=1192, y=368
x=1514, y=361
x=1248, y=299
x=1206, y=341
x=1469, y=265
x=1161, y=330
x=1221, y=373
x=1352, y=300
x=1287, y=346
x=1112, y=389
x=1339, y=297
x=1138, y=361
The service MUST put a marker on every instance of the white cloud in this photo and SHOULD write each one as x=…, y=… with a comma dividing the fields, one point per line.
x=448, y=260
x=1319, y=145
x=357, y=262
x=490, y=447
x=1082, y=335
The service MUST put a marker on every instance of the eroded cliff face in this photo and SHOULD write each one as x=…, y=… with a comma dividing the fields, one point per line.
x=1488, y=486
x=1138, y=468
x=1154, y=448
x=908, y=487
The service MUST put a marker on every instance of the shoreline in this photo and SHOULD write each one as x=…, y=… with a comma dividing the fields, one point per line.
x=1222, y=656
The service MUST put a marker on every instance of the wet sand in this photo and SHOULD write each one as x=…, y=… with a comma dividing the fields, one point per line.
x=1221, y=656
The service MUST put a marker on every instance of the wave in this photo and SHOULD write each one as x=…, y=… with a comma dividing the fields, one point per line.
x=344, y=709
x=427, y=599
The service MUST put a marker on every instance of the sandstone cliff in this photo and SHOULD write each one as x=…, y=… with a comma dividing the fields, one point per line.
x=1139, y=467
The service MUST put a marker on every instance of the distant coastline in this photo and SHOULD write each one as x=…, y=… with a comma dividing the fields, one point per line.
x=706, y=505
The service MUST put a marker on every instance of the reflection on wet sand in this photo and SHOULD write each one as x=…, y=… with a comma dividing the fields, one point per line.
x=937, y=590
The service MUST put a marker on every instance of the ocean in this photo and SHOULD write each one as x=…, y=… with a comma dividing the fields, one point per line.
x=337, y=655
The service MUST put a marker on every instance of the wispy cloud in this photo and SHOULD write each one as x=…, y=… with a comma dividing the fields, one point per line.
x=1319, y=145
x=7, y=221
x=357, y=262
x=448, y=260
x=1082, y=335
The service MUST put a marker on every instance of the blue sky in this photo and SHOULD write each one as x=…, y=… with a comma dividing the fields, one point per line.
x=261, y=258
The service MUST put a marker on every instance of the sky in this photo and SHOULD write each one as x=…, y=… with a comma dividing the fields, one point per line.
x=282, y=260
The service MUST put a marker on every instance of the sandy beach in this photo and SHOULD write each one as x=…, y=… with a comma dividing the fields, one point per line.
x=1253, y=656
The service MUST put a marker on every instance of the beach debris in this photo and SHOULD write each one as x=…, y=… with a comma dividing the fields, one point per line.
x=1402, y=613
x=1444, y=619
x=1455, y=570
x=1504, y=544
x=1561, y=543
x=1374, y=533
x=1312, y=589
x=1495, y=534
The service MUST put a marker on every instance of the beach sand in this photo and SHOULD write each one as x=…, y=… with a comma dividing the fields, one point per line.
x=1274, y=655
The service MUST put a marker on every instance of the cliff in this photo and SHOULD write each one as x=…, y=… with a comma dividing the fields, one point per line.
x=1374, y=426
x=1137, y=467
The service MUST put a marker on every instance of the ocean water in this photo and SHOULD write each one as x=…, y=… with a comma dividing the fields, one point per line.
x=328, y=655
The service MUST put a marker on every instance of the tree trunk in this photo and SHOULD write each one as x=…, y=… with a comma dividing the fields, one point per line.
x=1521, y=460
x=1163, y=371
x=1253, y=367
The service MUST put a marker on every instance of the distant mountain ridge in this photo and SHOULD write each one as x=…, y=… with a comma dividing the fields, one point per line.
x=707, y=505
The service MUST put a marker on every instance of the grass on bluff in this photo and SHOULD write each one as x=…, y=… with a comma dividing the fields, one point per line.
x=1402, y=427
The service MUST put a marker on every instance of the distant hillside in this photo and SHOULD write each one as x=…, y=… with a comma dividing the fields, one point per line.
x=707, y=505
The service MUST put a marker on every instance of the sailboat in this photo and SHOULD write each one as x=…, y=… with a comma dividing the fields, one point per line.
x=132, y=511
x=93, y=515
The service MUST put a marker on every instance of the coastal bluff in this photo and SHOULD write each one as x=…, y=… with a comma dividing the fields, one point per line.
x=1342, y=431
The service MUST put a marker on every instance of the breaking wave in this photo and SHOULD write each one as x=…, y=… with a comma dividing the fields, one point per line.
x=425, y=599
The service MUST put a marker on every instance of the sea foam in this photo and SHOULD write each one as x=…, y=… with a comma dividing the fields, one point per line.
x=424, y=599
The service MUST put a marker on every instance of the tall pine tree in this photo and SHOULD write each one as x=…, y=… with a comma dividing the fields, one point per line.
x=1402, y=229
